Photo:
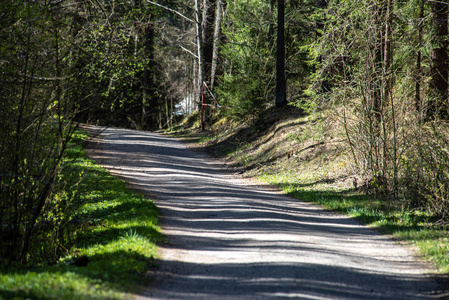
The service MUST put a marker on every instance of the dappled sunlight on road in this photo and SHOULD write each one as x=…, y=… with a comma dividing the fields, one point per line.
x=226, y=238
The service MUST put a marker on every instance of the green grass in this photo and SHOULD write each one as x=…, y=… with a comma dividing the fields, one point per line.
x=414, y=226
x=117, y=230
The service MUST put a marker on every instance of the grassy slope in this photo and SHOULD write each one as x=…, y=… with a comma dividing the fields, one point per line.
x=306, y=157
x=117, y=232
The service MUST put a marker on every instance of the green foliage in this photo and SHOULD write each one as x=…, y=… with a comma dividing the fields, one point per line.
x=83, y=61
x=35, y=127
x=379, y=87
x=116, y=58
x=61, y=62
x=248, y=55
x=243, y=94
x=114, y=228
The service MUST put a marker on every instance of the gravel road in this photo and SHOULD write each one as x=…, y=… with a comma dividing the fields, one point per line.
x=227, y=238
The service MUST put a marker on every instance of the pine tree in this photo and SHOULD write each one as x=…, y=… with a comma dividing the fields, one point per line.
x=438, y=105
x=281, y=84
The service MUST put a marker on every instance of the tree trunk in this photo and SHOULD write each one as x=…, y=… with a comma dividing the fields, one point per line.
x=281, y=85
x=217, y=36
x=320, y=27
x=388, y=98
x=418, y=73
x=271, y=26
x=208, y=37
x=148, y=78
x=199, y=43
x=387, y=51
x=148, y=72
x=378, y=66
x=438, y=105
x=167, y=112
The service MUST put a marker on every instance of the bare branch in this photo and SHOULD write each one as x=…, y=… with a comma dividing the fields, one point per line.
x=435, y=1
x=171, y=10
x=45, y=78
x=188, y=51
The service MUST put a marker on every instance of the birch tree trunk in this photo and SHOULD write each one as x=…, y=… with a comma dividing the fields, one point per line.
x=217, y=36
x=199, y=42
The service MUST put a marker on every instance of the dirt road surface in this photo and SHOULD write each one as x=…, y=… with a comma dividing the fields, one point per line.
x=226, y=238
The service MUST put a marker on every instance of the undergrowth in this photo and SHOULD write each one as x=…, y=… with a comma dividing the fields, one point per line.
x=113, y=237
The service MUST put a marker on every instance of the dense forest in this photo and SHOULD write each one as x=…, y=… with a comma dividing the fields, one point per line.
x=379, y=67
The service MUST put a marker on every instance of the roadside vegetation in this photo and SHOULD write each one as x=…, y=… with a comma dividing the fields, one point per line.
x=110, y=240
x=366, y=133
x=307, y=157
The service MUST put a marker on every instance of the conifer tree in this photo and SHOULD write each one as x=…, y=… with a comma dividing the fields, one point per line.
x=281, y=84
x=438, y=104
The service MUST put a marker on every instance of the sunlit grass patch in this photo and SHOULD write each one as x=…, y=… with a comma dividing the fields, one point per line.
x=437, y=250
x=114, y=229
x=58, y=282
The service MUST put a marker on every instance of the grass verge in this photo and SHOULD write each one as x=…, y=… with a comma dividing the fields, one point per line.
x=410, y=225
x=116, y=230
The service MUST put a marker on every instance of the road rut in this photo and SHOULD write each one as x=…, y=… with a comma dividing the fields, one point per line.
x=226, y=238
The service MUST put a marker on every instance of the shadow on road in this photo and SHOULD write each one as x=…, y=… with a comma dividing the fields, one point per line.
x=227, y=239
